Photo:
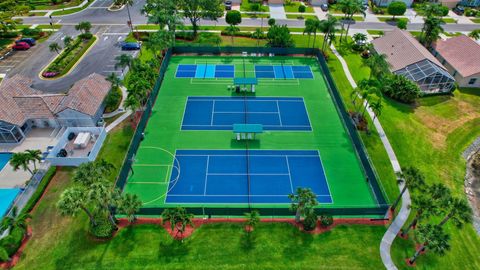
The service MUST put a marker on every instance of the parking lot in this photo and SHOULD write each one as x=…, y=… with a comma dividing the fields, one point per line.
x=13, y=58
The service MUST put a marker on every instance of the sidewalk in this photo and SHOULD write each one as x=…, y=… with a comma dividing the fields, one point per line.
x=460, y=19
x=402, y=216
x=277, y=11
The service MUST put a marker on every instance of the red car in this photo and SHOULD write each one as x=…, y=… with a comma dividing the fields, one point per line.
x=21, y=46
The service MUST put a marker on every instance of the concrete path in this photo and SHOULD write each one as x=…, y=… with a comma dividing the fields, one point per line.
x=370, y=16
x=118, y=121
x=321, y=15
x=459, y=19
x=277, y=11
x=402, y=216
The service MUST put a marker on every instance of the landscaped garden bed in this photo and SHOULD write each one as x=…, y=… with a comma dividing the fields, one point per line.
x=65, y=60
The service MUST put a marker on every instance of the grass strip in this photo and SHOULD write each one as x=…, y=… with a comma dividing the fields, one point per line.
x=40, y=190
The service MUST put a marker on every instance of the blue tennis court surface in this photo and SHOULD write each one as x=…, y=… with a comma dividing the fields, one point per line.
x=220, y=113
x=220, y=176
x=205, y=71
x=283, y=72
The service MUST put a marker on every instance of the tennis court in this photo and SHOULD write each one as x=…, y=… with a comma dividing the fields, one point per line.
x=220, y=113
x=189, y=155
x=239, y=176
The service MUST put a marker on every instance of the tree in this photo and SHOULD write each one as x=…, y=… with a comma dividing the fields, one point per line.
x=164, y=12
x=397, y=8
x=376, y=107
x=178, y=218
x=54, y=47
x=20, y=160
x=233, y=18
x=114, y=80
x=271, y=22
x=34, y=156
x=258, y=34
x=83, y=27
x=328, y=27
x=253, y=218
x=359, y=38
x=350, y=8
x=159, y=42
x=128, y=4
x=279, y=36
x=6, y=22
x=432, y=237
x=103, y=198
x=74, y=199
x=195, y=10
x=378, y=65
x=90, y=172
x=67, y=41
x=475, y=34
x=302, y=9
x=132, y=103
x=424, y=206
x=302, y=201
x=400, y=88
x=431, y=30
x=310, y=27
x=402, y=24
x=459, y=212
x=412, y=179
x=129, y=205
x=123, y=60
x=15, y=220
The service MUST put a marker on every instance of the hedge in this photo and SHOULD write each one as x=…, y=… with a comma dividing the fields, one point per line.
x=40, y=189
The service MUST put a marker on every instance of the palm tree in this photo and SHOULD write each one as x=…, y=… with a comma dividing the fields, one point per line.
x=132, y=103
x=15, y=221
x=459, y=212
x=310, y=27
x=72, y=201
x=431, y=30
x=376, y=107
x=356, y=7
x=103, y=198
x=164, y=12
x=258, y=34
x=127, y=3
x=83, y=27
x=20, y=160
x=302, y=201
x=123, y=60
x=357, y=37
x=378, y=65
x=114, y=80
x=231, y=31
x=34, y=156
x=432, y=237
x=412, y=179
x=178, y=218
x=328, y=28
x=475, y=34
x=253, y=218
x=425, y=206
x=54, y=47
x=67, y=41
x=129, y=205
x=356, y=92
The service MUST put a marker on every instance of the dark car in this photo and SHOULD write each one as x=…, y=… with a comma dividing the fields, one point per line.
x=228, y=5
x=324, y=7
x=30, y=41
x=21, y=46
x=130, y=46
x=459, y=10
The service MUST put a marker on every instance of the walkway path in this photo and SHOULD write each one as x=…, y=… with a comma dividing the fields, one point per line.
x=402, y=216
x=277, y=11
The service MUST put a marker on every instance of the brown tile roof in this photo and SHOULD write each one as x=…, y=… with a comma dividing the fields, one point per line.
x=462, y=53
x=86, y=95
x=402, y=49
x=19, y=102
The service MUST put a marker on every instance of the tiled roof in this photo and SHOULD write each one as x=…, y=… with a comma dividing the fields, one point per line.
x=462, y=53
x=86, y=95
x=19, y=102
x=402, y=49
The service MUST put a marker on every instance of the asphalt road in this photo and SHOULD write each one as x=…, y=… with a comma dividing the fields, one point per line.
x=111, y=28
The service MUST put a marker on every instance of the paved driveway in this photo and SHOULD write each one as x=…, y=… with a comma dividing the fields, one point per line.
x=277, y=11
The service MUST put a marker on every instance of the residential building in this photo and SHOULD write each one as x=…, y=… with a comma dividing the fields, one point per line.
x=385, y=3
x=23, y=108
x=461, y=56
x=409, y=58
x=470, y=3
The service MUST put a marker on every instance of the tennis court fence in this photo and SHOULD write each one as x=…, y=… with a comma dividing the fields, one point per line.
x=369, y=171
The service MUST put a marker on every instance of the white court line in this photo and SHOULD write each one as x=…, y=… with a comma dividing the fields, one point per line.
x=279, y=115
x=152, y=165
x=248, y=112
x=251, y=155
x=149, y=183
x=235, y=195
x=257, y=174
x=289, y=174
x=213, y=112
x=206, y=176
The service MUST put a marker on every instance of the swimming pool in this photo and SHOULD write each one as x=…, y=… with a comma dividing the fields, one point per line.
x=7, y=196
x=4, y=158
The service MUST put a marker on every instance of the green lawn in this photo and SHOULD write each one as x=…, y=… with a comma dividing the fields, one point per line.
x=355, y=18
x=477, y=20
x=246, y=6
x=293, y=7
x=431, y=135
x=376, y=32
x=71, y=11
x=42, y=5
x=390, y=19
x=258, y=15
x=449, y=20
x=36, y=13
x=302, y=17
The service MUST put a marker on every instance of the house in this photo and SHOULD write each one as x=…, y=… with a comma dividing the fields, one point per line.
x=409, y=58
x=470, y=3
x=385, y=3
x=23, y=108
x=449, y=3
x=461, y=56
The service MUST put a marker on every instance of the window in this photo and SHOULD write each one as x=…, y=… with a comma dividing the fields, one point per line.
x=472, y=81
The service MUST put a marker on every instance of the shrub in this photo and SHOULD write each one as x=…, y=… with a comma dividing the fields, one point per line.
x=271, y=21
x=236, y=34
x=3, y=255
x=402, y=23
x=40, y=189
x=103, y=229
x=400, y=88
x=397, y=8
x=9, y=35
x=86, y=36
x=302, y=8
x=12, y=242
x=326, y=220
x=444, y=11
x=27, y=32
x=310, y=221
x=185, y=35
x=112, y=101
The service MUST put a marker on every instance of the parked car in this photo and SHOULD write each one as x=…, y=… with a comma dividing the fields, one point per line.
x=130, y=46
x=30, y=41
x=324, y=7
x=459, y=10
x=21, y=46
x=228, y=5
